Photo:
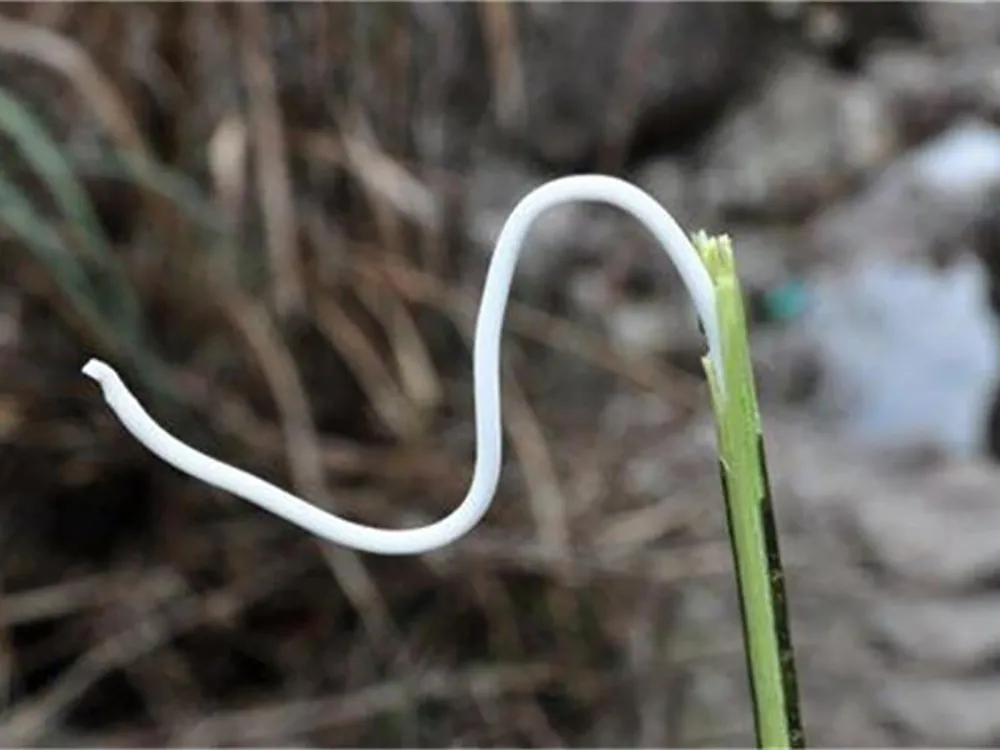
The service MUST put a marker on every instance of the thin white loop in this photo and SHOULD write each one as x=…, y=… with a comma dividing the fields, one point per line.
x=486, y=375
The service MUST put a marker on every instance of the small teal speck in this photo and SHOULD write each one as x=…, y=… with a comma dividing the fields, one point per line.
x=786, y=301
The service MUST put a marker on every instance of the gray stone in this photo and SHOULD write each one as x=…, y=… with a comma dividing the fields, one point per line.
x=594, y=73
x=945, y=712
x=919, y=207
x=922, y=630
x=932, y=530
x=958, y=28
x=799, y=144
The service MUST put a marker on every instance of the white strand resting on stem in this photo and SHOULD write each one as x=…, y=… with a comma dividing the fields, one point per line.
x=486, y=376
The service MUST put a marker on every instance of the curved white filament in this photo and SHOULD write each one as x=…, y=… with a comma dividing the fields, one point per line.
x=486, y=375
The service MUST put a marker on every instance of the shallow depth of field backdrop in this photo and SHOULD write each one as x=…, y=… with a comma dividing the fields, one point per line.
x=275, y=221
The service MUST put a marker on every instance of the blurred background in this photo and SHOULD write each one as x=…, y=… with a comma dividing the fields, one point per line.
x=275, y=221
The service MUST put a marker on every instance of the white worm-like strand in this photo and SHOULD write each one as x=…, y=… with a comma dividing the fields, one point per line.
x=486, y=377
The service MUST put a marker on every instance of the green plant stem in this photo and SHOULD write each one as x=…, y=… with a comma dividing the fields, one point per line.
x=746, y=489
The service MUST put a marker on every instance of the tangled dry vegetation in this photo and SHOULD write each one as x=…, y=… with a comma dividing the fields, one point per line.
x=258, y=213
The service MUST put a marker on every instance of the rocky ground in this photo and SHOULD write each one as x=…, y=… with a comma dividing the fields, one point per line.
x=282, y=224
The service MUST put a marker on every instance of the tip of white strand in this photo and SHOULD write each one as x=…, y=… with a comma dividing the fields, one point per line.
x=98, y=371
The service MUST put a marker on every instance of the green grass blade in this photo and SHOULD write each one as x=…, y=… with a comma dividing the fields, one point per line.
x=49, y=163
x=760, y=579
x=48, y=247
